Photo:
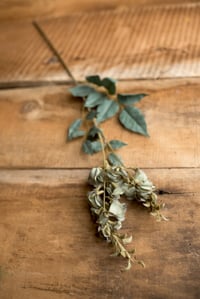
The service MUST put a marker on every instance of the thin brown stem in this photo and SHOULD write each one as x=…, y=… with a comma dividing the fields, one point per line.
x=110, y=147
x=54, y=50
x=104, y=195
x=102, y=143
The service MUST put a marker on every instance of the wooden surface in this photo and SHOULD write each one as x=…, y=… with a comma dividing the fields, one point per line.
x=150, y=43
x=26, y=58
x=48, y=247
x=29, y=9
x=36, y=137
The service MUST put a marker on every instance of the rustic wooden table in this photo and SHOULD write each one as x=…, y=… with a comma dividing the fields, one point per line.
x=47, y=239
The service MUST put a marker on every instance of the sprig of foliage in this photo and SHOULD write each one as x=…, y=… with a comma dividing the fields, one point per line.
x=103, y=103
x=113, y=181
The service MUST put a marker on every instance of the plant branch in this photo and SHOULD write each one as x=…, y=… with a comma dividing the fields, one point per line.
x=55, y=52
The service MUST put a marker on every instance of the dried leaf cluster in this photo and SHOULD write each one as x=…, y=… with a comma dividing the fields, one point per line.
x=112, y=181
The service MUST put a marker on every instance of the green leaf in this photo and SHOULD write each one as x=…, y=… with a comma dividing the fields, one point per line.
x=91, y=147
x=114, y=159
x=94, y=99
x=118, y=209
x=129, y=99
x=107, y=109
x=94, y=131
x=94, y=79
x=73, y=131
x=109, y=84
x=91, y=114
x=133, y=119
x=81, y=90
x=115, y=144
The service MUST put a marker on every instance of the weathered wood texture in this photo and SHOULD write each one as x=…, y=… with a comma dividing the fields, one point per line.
x=152, y=85
x=27, y=60
x=47, y=239
x=25, y=57
x=36, y=133
x=29, y=9
x=49, y=249
x=150, y=42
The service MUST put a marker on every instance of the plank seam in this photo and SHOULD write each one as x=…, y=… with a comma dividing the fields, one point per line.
x=84, y=168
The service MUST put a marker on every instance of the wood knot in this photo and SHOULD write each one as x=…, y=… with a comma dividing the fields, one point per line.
x=30, y=106
x=31, y=109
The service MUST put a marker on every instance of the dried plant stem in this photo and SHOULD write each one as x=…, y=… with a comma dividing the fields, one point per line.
x=104, y=199
x=110, y=147
x=104, y=196
x=123, y=252
x=102, y=143
x=112, y=180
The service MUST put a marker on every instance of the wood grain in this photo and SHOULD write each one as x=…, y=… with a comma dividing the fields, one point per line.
x=47, y=239
x=149, y=42
x=149, y=86
x=20, y=9
x=49, y=249
x=35, y=136
x=25, y=58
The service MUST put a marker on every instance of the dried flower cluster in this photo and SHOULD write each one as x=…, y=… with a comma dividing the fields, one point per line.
x=110, y=185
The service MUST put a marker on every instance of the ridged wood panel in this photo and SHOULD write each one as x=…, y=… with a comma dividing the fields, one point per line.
x=29, y=9
x=25, y=57
x=149, y=42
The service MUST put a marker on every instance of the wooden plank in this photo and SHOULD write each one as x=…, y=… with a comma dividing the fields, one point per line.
x=153, y=85
x=19, y=9
x=149, y=42
x=24, y=56
x=39, y=117
x=49, y=249
x=170, y=181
